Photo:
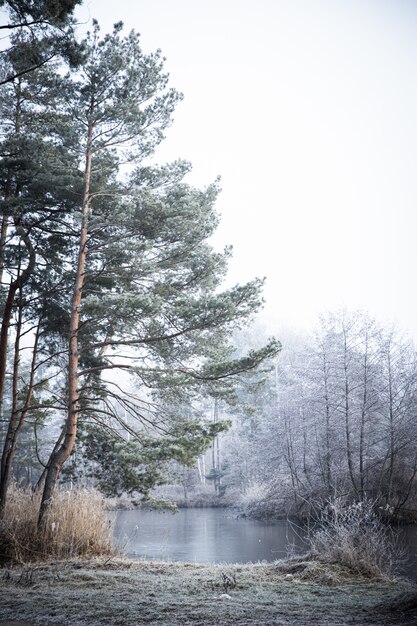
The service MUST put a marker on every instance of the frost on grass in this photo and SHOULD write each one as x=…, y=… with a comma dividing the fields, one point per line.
x=117, y=592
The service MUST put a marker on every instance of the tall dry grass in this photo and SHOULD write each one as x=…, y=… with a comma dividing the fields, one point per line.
x=77, y=526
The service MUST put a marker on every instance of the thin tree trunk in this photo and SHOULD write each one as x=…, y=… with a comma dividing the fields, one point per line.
x=306, y=470
x=219, y=478
x=3, y=239
x=363, y=419
x=203, y=469
x=200, y=474
x=392, y=453
x=14, y=286
x=7, y=455
x=213, y=451
x=328, y=454
x=291, y=461
x=347, y=416
x=41, y=479
x=16, y=423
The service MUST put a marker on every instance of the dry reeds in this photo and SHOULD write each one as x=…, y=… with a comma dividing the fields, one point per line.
x=77, y=526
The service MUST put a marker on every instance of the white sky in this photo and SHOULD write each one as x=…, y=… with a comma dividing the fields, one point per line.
x=307, y=109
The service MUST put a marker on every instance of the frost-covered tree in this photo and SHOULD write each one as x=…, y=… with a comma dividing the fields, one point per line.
x=336, y=418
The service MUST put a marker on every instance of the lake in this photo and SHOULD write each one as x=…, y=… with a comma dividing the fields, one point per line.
x=214, y=535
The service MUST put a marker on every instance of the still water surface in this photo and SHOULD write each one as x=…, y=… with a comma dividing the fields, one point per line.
x=211, y=535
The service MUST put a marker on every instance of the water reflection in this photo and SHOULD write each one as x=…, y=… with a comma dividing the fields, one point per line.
x=216, y=536
x=203, y=536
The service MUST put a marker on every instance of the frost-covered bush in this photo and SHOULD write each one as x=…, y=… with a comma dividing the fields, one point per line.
x=262, y=500
x=355, y=536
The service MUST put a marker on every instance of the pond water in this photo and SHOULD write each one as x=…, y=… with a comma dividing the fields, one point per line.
x=213, y=535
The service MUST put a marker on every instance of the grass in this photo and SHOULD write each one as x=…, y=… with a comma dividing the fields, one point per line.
x=115, y=592
x=77, y=526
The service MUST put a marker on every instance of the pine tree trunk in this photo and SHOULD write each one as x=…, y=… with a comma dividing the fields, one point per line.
x=60, y=455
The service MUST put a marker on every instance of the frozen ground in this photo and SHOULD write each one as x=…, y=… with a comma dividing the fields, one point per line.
x=125, y=593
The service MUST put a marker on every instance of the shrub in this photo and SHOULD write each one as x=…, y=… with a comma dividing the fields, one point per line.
x=355, y=536
x=264, y=500
x=77, y=526
x=197, y=496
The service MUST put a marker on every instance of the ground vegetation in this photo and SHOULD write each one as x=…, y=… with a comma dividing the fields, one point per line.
x=292, y=593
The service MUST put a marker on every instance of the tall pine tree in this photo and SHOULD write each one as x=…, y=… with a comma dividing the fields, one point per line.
x=145, y=287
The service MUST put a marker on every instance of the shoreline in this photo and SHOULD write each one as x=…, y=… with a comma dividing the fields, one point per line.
x=114, y=591
x=403, y=518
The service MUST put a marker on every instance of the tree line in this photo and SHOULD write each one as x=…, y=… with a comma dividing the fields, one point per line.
x=336, y=418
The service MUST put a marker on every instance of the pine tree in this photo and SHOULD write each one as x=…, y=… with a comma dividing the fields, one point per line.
x=145, y=283
x=46, y=30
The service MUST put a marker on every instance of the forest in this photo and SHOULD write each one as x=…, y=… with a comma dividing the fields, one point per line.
x=125, y=364
x=335, y=418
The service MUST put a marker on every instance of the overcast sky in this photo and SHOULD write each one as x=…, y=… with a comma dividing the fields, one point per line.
x=307, y=109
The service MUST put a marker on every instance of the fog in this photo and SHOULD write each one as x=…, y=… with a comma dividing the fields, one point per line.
x=307, y=112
